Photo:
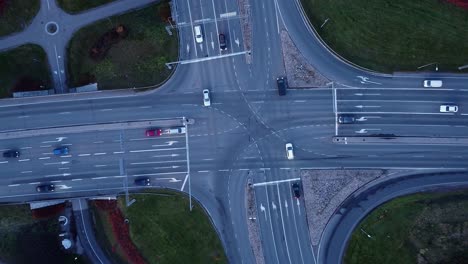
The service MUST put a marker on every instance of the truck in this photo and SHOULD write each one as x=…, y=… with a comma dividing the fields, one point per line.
x=175, y=130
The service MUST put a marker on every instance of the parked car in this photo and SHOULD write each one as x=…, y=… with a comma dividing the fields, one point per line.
x=296, y=189
x=346, y=119
x=61, y=151
x=432, y=83
x=282, y=84
x=289, y=151
x=206, y=97
x=448, y=108
x=155, y=132
x=11, y=154
x=143, y=181
x=222, y=42
x=45, y=188
x=176, y=130
x=198, y=34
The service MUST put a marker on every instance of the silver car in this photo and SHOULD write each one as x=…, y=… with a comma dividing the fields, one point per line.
x=448, y=108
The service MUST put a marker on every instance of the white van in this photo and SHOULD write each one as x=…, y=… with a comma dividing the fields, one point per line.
x=198, y=34
x=432, y=83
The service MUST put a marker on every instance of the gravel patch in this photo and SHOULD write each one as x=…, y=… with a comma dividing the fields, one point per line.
x=254, y=230
x=246, y=26
x=300, y=74
x=325, y=190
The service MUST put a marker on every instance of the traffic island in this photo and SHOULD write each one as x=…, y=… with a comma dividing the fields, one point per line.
x=252, y=225
x=391, y=139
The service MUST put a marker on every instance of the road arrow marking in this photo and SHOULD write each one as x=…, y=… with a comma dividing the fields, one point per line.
x=188, y=48
x=63, y=187
x=298, y=207
x=286, y=205
x=361, y=119
x=170, y=179
x=262, y=208
x=273, y=205
x=364, y=130
x=212, y=42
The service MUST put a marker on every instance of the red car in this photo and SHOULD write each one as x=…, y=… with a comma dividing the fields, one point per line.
x=153, y=132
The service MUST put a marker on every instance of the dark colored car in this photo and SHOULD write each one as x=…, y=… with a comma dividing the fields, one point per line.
x=296, y=189
x=143, y=182
x=11, y=154
x=61, y=151
x=153, y=132
x=45, y=188
x=222, y=42
x=346, y=119
x=282, y=84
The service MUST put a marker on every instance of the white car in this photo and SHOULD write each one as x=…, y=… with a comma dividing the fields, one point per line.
x=289, y=151
x=432, y=83
x=198, y=34
x=448, y=108
x=206, y=97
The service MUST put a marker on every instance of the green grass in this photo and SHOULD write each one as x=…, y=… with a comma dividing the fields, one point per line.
x=402, y=227
x=165, y=231
x=397, y=35
x=26, y=240
x=136, y=61
x=16, y=15
x=25, y=62
x=74, y=6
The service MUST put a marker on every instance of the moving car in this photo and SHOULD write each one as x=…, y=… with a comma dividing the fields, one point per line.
x=61, y=151
x=206, y=97
x=296, y=189
x=11, y=154
x=198, y=34
x=346, y=119
x=45, y=188
x=155, y=132
x=432, y=83
x=222, y=42
x=176, y=130
x=143, y=181
x=448, y=108
x=289, y=151
x=282, y=84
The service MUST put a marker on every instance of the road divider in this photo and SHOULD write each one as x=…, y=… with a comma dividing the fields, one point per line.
x=387, y=140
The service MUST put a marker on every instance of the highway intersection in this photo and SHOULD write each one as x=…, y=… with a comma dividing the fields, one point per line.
x=241, y=136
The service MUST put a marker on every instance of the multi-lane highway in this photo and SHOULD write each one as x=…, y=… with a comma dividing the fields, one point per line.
x=241, y=136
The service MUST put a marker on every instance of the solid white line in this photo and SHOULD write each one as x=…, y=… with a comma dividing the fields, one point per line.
x=120, y=176
x=86, y=233
x=391, y=101
x=13, y=185
x=84, y=155
x=183, y=184
x=396, y=113
x=156, y=162
x=275, y=182
x=6, y=161
x=271, y=225
x=159, y=173
x=282, y=222
x=150, y=150
x=99, y=178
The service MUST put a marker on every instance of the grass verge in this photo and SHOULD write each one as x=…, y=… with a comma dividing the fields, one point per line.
x=165, y=231
x=135, y=59
x=24, y=69
x=73, y=6
x=16, y=15
x=396, y=35
x=427, y=226
x=27, y=240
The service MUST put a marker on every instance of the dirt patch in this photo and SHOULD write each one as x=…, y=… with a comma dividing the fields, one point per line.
x=246, y=25
x=300, y=73
x=102, y=46
x=325, y=190
x=254, y=231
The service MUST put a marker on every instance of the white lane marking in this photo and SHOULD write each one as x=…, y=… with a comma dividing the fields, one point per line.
x=208, y=159
x=13, y=185
x=397, y=113
x=275, y=182
x=145, y=106
x=44, y=158
x=34, y=183
x=48, y=153
x=119, y=152
x=64, y=168
x=99, y=178
x=223, y=170
x=57, y=175
x=120, y=176
x=185, y=181
x=66, y=156
x=26, y=148
x=149, y=150
x=106, y=110
x=98, y=142
x=98, y=166
x=64, y=113
x=169, y=167
x=57, y=163
x=156, y=162
x=100, y=153
x=159, y=173
x=84, y=155
x=300, y=101
x=77, y=179
x=170, y=155
x=21, y=160
x=26, y=172
x=24, y=116
x=6, y=161
x=282, y=222
x=55, y=181
x=203, y=171
x=285, y=168
x=48, y=146
x=244, y=169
